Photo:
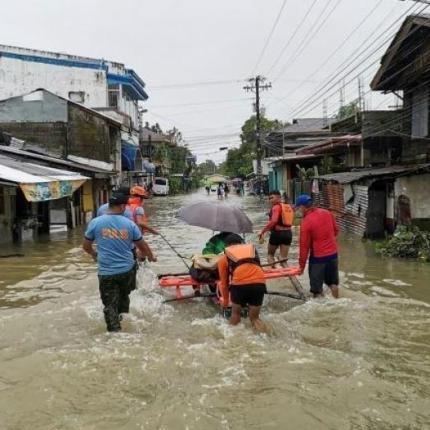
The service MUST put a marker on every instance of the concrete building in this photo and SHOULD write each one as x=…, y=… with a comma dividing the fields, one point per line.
x=95, y=83
x=45, y=129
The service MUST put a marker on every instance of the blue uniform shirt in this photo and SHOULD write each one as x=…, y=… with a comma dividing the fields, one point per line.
x=114, y=236
x=103, y=210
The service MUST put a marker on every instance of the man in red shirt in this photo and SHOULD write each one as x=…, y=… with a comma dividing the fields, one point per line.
x=318, y=232
x=281, y=219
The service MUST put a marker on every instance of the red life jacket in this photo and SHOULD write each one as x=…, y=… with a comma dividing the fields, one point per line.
x=241, y=254
x=287, y=215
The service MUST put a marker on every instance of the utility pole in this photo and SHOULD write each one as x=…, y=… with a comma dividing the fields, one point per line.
x=361, y=100
x=256, y=85
x=325, y=113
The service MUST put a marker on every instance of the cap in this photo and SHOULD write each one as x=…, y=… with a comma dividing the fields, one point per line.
x=138, y=191
x=118, y=199
x=123, y=190
x=303, y=200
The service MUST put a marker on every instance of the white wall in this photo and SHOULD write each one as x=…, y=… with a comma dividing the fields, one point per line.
x=18, y=77
x=417, y=188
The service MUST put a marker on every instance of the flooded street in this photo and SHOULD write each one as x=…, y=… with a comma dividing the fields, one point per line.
x=361, y=362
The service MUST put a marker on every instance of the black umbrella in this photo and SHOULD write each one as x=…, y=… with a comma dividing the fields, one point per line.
x=217, y=216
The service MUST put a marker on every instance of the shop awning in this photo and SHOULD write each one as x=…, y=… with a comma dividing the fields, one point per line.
x=39, y=183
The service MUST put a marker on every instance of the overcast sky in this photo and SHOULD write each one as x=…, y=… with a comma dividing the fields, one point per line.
x=195, y=55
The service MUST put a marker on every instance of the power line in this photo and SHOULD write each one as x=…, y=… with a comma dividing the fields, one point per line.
x=269, y=37
x=196, y=84
x=406, y=112
x=284, y=48
x=337, y=49
x=308, y=38
x=204, y=103
x=313, y=98
x=348, y=63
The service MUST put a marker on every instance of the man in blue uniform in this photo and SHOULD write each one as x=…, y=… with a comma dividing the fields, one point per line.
x=114, y=235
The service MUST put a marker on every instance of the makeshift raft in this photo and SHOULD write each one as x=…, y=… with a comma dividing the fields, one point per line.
x=181, y=282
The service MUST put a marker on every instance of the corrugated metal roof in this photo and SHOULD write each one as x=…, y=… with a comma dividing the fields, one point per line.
x=308, y=124
x=356, y=175
x=331, y=143
x=20, y=172
x=77, y=166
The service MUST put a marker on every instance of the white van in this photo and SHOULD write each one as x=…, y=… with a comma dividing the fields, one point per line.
x=160, y=186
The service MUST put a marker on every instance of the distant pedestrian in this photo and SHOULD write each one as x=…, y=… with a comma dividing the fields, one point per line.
x=220, y=192
x=114, y=236
x=281, y=218
x=226, y=190
x=318, y=232
x=208, y=189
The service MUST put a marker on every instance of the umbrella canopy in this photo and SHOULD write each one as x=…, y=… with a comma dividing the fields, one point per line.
x=216, y=179
x=217, y=217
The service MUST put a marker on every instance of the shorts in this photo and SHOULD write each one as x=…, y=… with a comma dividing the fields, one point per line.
x=252, y=294
x=323, y=273
x=281, y=237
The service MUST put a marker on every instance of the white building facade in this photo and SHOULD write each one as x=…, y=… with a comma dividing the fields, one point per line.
x=96, y=83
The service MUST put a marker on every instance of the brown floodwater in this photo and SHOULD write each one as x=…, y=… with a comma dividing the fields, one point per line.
x=361, y=362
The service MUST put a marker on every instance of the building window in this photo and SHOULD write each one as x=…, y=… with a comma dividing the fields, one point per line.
x=77, y=96
x=113, y=94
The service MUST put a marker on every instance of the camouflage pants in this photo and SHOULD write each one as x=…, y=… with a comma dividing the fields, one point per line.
x=114, y=292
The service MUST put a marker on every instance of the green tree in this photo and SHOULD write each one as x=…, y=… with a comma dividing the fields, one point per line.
x=348, y=110
x=239, y=160
x=208, y=167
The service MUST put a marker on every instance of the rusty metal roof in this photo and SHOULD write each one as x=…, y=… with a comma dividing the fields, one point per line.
x=333, y=142
x=356, y=175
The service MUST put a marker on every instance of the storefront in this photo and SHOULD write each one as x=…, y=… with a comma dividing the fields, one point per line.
x=36, y=199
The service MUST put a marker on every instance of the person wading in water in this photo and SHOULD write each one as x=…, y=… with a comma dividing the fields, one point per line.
x=135, y=206
x=318, y=232
x=242, y=281
x=114, y=235
x=281, y=219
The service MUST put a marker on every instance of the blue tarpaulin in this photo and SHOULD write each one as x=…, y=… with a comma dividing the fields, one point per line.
x=128, y=155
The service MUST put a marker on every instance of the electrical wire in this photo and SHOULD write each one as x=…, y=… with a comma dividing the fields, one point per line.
x=284, y=48
x=308, y=39
x=337, y=49
x=196, y=84
x=356, y=57
x=309, y=106
x=405, y=113
x=204, y=103
x=275, y=24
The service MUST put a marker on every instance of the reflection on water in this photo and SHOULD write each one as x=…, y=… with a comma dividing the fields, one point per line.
x=357, y=363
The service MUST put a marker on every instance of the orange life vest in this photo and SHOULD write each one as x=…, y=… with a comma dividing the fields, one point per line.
x=241, y=254
x=134, y=203
x=287, y=215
